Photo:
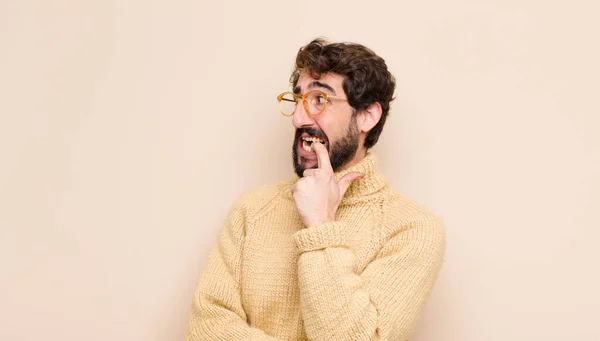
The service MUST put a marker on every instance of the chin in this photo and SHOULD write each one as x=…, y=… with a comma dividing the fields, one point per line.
x=308, y=164
x=303, y=164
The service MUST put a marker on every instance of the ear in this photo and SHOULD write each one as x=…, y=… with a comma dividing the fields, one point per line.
x=369, y=117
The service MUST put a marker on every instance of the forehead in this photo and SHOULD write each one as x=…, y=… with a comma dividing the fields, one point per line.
x=334, y=80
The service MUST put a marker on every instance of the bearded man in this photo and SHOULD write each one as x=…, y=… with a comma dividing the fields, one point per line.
x=333, y=253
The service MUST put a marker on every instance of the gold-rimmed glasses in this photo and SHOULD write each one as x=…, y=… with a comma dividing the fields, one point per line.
x=314, y=102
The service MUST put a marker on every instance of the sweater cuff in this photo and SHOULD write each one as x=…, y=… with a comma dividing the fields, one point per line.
x=318, y=237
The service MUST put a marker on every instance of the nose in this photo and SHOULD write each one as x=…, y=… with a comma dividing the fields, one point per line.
x=301, y=118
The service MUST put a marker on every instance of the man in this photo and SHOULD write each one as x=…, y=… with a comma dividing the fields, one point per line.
x=334, y=253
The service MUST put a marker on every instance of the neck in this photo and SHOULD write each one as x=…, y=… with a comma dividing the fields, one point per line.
x=360, y=154
x=373, y=181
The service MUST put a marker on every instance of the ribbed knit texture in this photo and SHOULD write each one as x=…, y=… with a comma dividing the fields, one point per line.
x=364, y=276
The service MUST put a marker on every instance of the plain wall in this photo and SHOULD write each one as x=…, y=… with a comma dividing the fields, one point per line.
x=127, y=129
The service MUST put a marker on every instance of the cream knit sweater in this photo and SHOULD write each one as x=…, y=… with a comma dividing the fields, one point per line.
x=365, y=276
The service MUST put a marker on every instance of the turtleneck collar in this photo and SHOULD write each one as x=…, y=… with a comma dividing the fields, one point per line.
x=370, y=183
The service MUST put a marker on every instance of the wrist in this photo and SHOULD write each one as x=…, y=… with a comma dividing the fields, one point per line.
x=318, y=221
x=332, y=234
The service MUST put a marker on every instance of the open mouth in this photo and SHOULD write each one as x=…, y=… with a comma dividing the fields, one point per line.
x=307, y=142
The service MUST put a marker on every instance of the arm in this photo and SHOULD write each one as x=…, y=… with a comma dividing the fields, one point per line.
x=216, y=310
x=381, y=303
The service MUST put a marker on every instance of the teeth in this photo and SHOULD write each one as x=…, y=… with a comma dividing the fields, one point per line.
x=306, y=146
x=312, y=139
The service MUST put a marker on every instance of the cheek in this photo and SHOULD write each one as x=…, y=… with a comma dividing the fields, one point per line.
x=333, y=127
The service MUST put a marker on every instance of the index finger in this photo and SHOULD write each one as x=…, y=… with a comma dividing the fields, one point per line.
x=322, y=156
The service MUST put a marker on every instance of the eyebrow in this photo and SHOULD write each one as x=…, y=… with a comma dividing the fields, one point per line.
x=316, y=84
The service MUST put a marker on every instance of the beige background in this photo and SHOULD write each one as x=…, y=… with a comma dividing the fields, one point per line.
x=127, y=128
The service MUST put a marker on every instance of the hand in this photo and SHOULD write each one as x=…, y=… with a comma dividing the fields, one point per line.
x=317, y=194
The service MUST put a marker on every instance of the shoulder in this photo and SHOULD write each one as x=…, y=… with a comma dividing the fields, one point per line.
x=406, y=218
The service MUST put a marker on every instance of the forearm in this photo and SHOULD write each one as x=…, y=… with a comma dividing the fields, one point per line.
x=334, y=302
x=211, y=321
x=384, y=300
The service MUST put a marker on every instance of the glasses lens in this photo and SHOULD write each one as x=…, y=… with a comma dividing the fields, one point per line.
x=288, y=104
x=316, y=102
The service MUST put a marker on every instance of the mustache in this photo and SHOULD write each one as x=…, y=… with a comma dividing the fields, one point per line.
x=312, y=132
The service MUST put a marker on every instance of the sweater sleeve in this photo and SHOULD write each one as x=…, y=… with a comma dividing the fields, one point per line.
x=216, y=310
x=382, y=302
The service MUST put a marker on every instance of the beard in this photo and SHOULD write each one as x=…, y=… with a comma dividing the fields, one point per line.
x=340, y=152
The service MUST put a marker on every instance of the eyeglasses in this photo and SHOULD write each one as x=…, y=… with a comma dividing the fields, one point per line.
x=314, y=102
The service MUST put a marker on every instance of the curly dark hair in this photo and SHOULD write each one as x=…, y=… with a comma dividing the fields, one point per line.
x=366, y=76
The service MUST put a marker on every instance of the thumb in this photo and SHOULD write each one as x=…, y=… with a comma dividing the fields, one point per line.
x=346, y=180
